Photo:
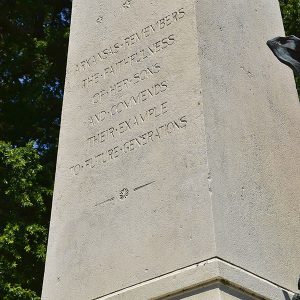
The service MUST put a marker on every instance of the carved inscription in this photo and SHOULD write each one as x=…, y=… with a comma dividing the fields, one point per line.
x=129, y=104
x=129, y=61
x=114, y=110
x=134, y=144
x=126, y=83
x=130, y=40
x=127, y=125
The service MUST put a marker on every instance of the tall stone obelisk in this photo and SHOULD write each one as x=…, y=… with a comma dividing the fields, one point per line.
x=178, y=173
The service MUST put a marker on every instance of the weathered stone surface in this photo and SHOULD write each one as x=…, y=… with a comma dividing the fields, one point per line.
x=179, y=143
x=215, y=291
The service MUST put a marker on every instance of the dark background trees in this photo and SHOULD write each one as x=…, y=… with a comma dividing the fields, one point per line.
x=291, y=20
x=291, y=16
x=33, y=48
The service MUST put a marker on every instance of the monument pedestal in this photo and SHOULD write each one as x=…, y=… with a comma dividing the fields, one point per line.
x=211, y=279
x=178, y=163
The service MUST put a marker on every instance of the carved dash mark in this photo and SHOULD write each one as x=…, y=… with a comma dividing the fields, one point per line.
x=142, y=186
x=103, y=202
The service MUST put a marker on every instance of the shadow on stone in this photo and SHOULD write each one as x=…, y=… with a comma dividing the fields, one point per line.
x=214, y=290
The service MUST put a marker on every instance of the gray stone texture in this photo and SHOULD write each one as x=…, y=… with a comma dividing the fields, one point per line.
x=179, y=143
x=215, y=291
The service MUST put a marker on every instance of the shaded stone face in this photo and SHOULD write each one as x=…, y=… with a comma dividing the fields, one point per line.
x=131, y=182
x=178, y=146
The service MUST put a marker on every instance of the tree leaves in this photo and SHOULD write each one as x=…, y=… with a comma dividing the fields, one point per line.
x=23, y=221
x=33, y=47
x=291, y=16
x=32, y=69
x=291, y=19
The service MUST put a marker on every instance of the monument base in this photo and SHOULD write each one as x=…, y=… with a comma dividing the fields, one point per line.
x=210, y=279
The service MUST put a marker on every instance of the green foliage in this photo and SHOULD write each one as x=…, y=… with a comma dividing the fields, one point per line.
x=291, y=16
x=33, y=47
x=291, y=19
x=23, y=222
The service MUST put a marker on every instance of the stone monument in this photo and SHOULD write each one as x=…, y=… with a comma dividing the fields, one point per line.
x=178, y=172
